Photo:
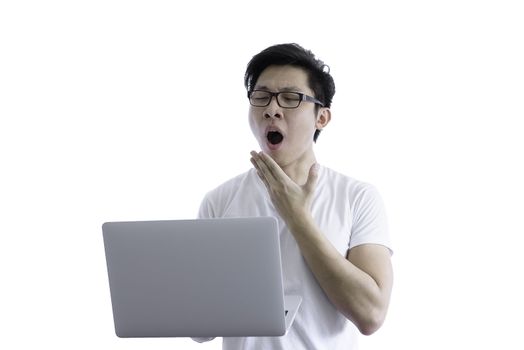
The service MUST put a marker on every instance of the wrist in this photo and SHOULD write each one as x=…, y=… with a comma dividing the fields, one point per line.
x=301, y=223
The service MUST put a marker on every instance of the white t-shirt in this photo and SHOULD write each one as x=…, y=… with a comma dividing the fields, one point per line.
x=347, y=211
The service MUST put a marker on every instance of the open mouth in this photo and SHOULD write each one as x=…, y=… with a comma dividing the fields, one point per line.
x=274, y=137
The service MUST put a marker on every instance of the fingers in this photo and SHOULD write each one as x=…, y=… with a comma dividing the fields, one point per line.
x=268, y=167
x=262, y=168
x=272, y=166
x=260, y=172
x=274, y=177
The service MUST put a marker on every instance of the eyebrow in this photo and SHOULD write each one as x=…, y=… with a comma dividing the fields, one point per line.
x=287, y=88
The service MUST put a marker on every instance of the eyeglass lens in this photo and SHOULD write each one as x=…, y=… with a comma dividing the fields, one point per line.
x=284, y=99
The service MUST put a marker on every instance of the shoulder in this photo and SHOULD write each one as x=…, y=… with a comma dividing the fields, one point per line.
x=366, y=208
x=232, y=185
x=217, y=200
x=338, y=182
x=361, y=199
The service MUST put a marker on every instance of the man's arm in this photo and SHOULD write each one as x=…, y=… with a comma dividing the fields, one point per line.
x=359, y=284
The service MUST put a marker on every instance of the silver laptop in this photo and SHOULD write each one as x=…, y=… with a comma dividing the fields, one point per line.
x=197, y=278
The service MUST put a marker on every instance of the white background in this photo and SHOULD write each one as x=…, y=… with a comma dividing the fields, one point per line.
x=117, y=110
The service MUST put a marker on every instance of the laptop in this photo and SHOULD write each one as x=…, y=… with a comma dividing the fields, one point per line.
x=197, y=278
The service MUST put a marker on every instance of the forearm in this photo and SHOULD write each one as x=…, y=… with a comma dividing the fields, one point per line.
x=353, y=292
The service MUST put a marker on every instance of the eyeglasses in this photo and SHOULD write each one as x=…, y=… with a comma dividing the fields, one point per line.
x=261, y=98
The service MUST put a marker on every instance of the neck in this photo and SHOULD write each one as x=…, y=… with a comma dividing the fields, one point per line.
x=298, y=170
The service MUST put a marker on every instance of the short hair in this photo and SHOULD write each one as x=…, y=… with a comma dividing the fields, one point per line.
x=319, y=79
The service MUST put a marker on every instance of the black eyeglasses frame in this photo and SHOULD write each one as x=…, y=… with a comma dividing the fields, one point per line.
x=302, y=97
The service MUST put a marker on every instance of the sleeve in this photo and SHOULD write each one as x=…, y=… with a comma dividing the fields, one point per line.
x=206, y=210
x=369, y=219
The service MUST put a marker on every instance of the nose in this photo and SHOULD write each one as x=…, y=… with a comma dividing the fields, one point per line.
x=273, y=110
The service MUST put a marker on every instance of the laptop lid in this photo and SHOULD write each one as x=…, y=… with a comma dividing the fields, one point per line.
x=196, y=278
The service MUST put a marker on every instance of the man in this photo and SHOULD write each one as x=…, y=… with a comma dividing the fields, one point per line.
x=333, y=231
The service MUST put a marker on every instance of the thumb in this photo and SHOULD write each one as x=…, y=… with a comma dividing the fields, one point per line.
x=312, y=178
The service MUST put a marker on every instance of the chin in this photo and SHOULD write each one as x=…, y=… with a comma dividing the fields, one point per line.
x=280, y=158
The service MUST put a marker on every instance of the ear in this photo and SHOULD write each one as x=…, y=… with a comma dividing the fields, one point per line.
x=323, y=118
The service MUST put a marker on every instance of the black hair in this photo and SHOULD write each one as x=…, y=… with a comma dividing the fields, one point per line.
x=319, y=79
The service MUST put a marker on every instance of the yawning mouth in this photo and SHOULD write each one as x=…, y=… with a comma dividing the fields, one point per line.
x=274, y=137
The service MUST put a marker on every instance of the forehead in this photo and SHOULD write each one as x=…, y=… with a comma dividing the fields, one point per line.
x=277, y=78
